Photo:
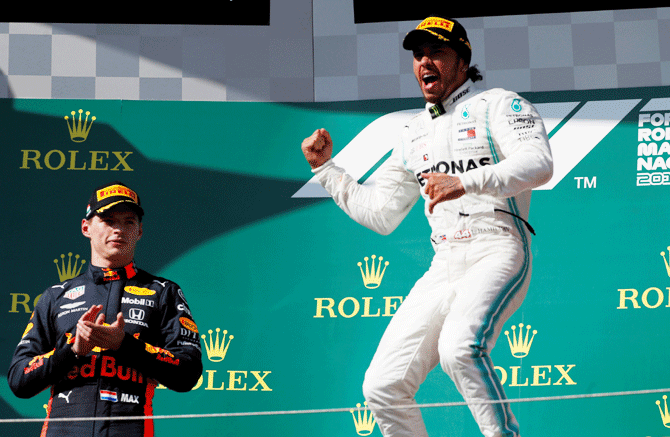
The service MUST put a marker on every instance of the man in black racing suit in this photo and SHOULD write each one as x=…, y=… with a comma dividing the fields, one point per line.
x=104, y=340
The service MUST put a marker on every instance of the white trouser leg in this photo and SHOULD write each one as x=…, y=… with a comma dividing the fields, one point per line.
x=461, y=304
x=407, y=352
x=493, y=288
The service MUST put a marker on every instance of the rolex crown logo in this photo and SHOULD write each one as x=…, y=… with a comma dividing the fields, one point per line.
x=372, y=276
x=217, y=348
x=79, y=128
x=72, y=269
x=665, y=260
x=664, y=411
x=365, y=422
x=518, y=345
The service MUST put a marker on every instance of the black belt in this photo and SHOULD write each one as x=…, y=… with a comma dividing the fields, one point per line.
x=530, y=228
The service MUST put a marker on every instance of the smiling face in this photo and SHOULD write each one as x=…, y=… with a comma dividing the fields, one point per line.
x=113, y=236
x=439, y=71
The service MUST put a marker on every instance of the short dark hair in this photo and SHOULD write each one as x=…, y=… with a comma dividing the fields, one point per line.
x=474, y=74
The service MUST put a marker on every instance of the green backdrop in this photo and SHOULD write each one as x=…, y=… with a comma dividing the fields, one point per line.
x=276, y=280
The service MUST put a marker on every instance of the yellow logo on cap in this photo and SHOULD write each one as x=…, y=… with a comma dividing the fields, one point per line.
x=437, y=22
x=115, y=190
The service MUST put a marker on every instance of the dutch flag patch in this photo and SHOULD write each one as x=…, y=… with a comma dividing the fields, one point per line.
x=107, y=395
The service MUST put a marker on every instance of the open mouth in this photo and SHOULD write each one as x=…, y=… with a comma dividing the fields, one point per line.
x=429, y=78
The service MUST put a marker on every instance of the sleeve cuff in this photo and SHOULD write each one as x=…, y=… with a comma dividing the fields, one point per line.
x=323, y=167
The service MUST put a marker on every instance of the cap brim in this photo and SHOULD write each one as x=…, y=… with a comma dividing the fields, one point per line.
x=126, y=203
x=417, y=37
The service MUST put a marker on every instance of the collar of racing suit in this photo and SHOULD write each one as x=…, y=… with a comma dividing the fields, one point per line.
x=101, y=275
x=441, y=108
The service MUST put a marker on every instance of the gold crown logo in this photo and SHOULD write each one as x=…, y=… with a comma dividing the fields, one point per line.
x=664, y=411
x=665, y=260
x=72, y=269
x=217, y=348
x=520, y=346
x=79, y=129
x=372, y=276
x=365, y=422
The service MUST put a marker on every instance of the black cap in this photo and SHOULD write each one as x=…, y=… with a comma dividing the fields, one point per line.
x=441, y=30
x=109, y=195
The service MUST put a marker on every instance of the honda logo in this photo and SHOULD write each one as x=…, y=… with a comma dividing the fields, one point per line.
x=136, y=313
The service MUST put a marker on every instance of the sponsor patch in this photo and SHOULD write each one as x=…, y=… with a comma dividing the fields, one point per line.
x=42, y=357
x=136, y=322
x=138, y=301
x=139, y=291
x=436, y=22
x=462, y=234
x=184, y=308
x=157, y=350
x=107, y=395
x=136, y=313
x=74, y=310
x=110, y=275
x=188, y=324
x=75, y=292
x=28, y=328
x=467, y=134
x=69, y=306
x=115, y=190
x=131, y=399
x=37, y=362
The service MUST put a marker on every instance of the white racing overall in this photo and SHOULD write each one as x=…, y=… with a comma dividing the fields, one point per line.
x=496, y=143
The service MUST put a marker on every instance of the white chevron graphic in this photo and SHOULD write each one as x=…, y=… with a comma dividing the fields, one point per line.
x=582, y=133
x=569, y=145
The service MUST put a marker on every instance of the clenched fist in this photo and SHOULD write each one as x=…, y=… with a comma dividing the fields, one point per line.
x=317, y=148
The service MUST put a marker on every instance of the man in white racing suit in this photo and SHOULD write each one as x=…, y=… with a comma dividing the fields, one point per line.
x=474, y=156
